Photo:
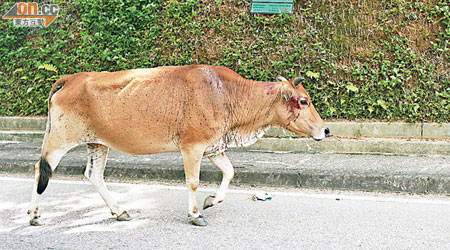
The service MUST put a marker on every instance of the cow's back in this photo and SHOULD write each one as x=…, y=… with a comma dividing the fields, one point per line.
x=145, y=111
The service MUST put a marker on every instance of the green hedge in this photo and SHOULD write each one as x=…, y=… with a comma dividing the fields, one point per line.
x=383, y=60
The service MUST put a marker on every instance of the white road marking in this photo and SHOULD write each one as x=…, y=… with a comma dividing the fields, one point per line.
x=399, y=199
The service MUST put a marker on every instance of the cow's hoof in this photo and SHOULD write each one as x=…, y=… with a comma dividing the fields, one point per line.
x=199, y=221
x=35, y=222
x=209, y=202
x=124, y=216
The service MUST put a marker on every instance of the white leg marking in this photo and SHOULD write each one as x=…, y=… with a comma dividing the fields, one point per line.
x=33, y=211
x=223, y=163
x=95, y=168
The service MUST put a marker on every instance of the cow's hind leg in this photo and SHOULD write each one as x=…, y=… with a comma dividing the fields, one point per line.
x=223, y=163
x=192, y=158
x=97, y=154
x=52, y=153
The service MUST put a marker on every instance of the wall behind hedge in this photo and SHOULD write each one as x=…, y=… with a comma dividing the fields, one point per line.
x=383, y=60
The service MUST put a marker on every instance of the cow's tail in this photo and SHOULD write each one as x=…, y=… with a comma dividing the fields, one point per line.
x=45, y=170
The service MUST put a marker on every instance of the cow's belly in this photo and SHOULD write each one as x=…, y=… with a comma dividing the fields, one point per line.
x=142, y=147
x=135, y=140
x=147, y=149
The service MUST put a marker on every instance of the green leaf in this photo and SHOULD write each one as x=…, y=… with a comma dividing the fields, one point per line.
x=332, y=110
x=351, y=87
x=382, y=103
x=312, y=74
x=131, y=9
x=48, y=67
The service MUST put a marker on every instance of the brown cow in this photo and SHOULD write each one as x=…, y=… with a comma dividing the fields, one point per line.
x=198, y=110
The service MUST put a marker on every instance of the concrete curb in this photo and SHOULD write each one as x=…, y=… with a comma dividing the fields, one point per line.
x=381, y=130
x=31, y=129
x=21, y=135
x=330, y=145
x=410, y=184
x=352, y=146
x=23, y=123
x=369, y=129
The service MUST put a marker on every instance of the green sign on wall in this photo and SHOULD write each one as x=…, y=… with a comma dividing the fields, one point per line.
x=272, y=6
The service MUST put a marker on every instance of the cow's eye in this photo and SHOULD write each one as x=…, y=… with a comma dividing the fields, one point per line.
x=304, y=102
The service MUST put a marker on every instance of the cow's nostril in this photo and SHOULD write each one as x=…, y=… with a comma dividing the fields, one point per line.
x=327, y=132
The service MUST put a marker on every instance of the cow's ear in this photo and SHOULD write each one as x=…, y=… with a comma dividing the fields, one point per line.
x=281, y=79
x=297, y=81
x=286, y=93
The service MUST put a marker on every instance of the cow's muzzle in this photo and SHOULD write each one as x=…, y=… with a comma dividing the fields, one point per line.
x=324, y=132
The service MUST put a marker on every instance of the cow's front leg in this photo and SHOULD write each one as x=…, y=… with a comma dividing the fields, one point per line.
x=192, y=158
x=223, y=163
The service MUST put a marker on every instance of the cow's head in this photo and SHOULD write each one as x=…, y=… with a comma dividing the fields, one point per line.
x=296, y=112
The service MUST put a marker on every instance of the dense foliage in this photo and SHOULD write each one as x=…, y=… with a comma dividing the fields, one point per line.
x=383, y=60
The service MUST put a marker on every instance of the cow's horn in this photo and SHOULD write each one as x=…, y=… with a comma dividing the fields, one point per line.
x=297, y=80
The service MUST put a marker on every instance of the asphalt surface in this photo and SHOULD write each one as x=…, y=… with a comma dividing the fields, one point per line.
x=75, y=217
x=418, y=174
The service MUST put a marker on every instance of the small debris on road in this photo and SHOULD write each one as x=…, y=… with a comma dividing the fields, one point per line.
x=261, y=196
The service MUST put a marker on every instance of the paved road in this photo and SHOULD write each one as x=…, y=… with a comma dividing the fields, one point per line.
x=75, y=217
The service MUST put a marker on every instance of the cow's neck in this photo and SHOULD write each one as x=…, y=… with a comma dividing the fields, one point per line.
x=254, y=104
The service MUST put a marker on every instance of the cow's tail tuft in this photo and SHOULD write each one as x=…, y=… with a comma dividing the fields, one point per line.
x=45, y=172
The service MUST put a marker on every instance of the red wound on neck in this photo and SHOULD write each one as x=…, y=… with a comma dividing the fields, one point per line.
x=293, y=103
x=293, y=108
